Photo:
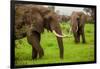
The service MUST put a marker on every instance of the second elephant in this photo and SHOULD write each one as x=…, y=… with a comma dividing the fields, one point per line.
x=78, y=20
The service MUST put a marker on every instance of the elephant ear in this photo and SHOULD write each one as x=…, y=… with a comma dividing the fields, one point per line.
x=82, y=19
x=51, y=21
x=47, y=21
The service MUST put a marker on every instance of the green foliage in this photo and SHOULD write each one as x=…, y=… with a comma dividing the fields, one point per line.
x=72, y=52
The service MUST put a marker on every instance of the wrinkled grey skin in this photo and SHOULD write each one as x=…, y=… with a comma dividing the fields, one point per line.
x=30, y=21
x=78, y=20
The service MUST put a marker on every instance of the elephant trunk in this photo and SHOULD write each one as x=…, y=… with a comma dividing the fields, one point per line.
x=60, y=41
x=60, y=44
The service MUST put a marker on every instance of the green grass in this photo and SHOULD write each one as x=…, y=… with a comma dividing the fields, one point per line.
x=72, y=52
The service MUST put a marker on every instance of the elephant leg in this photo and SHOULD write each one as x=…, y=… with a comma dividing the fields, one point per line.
x=83, y=36
x=76, y=37
x=34, y=53
x=33, y=38
x=36, y=45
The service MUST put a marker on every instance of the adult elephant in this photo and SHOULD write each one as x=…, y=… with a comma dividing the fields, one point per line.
x=78, y=20
x=30, y=21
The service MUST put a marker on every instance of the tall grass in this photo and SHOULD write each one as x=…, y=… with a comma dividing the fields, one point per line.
x=72, y=52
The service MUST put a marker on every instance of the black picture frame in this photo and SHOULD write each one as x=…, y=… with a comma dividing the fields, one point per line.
x=12, y=63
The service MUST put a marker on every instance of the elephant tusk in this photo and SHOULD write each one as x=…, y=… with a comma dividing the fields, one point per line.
x=60, y=35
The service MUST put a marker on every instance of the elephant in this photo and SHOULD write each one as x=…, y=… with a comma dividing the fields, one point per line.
x=30, y=22
x=78, y=20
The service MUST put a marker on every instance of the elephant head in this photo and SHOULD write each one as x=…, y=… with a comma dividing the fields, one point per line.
x=77, y=25
x=36, y=18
